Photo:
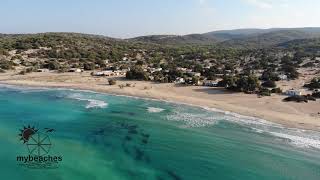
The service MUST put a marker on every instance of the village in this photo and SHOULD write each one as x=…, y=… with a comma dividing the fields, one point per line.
x=253, y=72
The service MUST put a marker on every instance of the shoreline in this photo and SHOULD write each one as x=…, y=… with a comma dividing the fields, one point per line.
x=235, y=114
x=187, y=96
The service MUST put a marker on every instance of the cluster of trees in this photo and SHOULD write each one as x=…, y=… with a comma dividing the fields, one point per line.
x=248, y=84
x=316, y=95
x=270, y=75
x=112, y=82
x=6, y=65
x=314, y=84
x=137, y=73
x=67, y=46
x=289, y=65
x=4, y=52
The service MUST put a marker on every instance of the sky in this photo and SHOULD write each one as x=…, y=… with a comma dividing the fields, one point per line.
x=130, y=18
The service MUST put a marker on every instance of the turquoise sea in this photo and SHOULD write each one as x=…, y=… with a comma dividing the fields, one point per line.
x=110, y=137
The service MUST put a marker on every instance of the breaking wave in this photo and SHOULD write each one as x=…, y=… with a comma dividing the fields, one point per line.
x=92, y=103
x=155, y=110
x=191, y=119
x=293, y=136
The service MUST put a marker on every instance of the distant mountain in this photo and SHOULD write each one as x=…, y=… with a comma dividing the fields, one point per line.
x=176, y=40
x=267, y=39
x=238, y=38
x=225, y=35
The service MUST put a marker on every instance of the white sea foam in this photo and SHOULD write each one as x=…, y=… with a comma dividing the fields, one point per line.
x=154, y=109
x=301, y=141
x=96, y=104
x=23, y=89
x=297, y=137
x=192, y=119
x=92, y=103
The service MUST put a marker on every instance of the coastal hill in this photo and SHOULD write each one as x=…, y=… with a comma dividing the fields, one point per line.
x=248, y=38
x=199, y=39
x=239, y=38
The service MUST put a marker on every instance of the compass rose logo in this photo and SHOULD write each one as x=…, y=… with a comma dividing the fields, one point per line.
x=38, y=144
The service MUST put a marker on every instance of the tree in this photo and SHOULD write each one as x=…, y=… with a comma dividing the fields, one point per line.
x=265, y=92
x=6, y=65
x=228, y=82
x=195, y=80
x=137, y=73
x=4, y=52
x=269, y=75
x=88, y=66
x=112, y=82
x=53, y=65
x=101, y=63
x=269, y=84
x=276, y=90
x=290, y=71
x=198, y=68
x=247, y=83
x=139, y=63
x=314, y=84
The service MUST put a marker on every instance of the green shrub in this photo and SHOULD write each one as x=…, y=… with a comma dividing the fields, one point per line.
x=269, y=84
x=112, y=82
x=314, y=84
x=137, y=73
x=6, y=65
x=53, y=65
x=265, y=92
x=88, y=66
x=23, y=72
x=276, y=90
x=316, y=95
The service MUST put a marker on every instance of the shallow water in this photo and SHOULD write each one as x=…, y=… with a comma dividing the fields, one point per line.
x=114, y=137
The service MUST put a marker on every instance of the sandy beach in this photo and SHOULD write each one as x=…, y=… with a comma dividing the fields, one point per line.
x=295, y=115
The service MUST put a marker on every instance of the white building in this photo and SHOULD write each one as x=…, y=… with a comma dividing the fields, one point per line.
x=283, y=77
x=77, y=70
x=293, y=92
x=43, y=70
x=109, y=73
x=179, y=81
x=210, y=83
x=152, y=70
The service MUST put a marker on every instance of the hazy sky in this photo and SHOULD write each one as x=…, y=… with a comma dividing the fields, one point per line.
x=128, y=18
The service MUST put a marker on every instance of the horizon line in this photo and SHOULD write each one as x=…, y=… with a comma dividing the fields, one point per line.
x=161, y=34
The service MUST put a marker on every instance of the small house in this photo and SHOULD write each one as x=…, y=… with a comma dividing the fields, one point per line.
x=77, y=70
x=179, y=80
x=43, y=70
x=283, y=77
x=293, y=92
x=210, y=83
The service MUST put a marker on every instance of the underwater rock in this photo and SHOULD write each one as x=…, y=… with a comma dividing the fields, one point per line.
x=128, y=138
x=173, y=175
x=138, y=154
x=144, y=141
